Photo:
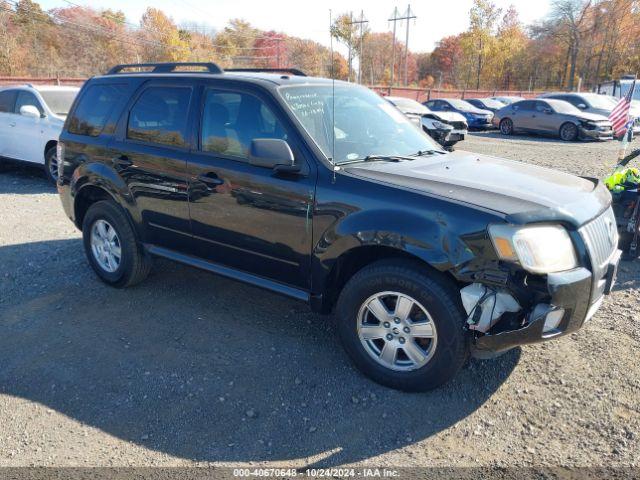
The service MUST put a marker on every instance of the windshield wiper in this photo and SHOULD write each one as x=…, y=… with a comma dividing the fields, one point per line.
x=422, y=153
x=374, y=158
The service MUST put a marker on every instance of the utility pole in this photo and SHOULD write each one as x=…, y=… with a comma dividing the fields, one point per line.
x=360, y=22
x=395, y=19
x=408, y=17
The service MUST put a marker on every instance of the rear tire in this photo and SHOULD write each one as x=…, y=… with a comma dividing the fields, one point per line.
x=568, y=132
x=506, y=126
x=51, y=164
x=436, y=308
x=111, y=246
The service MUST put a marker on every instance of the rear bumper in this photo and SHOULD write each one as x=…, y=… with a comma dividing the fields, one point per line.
x=570, y=291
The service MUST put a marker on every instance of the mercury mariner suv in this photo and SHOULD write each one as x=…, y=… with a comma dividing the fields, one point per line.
x=326, y=193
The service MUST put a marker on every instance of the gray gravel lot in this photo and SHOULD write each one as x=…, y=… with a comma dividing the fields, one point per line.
x=189, y=368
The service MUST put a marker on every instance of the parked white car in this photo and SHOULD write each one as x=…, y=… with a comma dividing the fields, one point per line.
x=31, y=119
x=446, y=128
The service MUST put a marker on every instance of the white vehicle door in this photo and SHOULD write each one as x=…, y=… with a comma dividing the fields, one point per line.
x=28, y=132
x=7, y=102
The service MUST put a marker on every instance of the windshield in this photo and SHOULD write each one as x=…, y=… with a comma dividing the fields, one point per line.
x=461, y=104
x=409, y=105
x=491, y=103
x=59, y=102
x=600, y=101
x=560, y=106
x=365, y=123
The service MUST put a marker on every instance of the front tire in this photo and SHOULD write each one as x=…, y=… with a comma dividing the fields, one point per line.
x=51, y=164
x=402, y=325
x=568, y=132
x=111, y=246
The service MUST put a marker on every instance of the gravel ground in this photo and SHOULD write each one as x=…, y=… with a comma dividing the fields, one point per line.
x=192, y=369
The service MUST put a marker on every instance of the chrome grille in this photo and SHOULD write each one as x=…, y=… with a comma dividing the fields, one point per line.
x=601, y=237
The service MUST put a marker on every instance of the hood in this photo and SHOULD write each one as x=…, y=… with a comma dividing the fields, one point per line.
x=450, y=116
x=478, y=111
x=520, y=191
x=594, y=117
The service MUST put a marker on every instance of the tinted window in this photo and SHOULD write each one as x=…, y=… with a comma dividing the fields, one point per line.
x=542, y=106
x=94, y=109
x=575, y=101
x=230, y=121
x=160, y=116
x=27, y=98
x=525, y=105
x=7, y=100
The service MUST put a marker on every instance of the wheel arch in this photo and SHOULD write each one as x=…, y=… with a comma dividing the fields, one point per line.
x=355, y=259
x=434, y=237
x=48, y=145
x=92, y=182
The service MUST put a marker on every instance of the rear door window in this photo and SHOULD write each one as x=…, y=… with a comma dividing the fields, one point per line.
x=527, y=105
x=160, y=116
x=27, y=98
x=94, y=109
x=7, y=100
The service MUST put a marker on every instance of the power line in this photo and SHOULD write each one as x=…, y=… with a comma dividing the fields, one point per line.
x=361, y=23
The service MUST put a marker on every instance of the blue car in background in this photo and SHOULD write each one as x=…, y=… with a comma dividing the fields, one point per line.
x=476, y=118
x=485, y=104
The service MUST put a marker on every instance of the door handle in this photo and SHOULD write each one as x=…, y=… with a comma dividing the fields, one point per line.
x=122, y=161
x=210, y=178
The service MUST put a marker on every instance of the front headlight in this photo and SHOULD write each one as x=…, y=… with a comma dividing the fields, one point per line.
x=538, y=248
x=440, y=125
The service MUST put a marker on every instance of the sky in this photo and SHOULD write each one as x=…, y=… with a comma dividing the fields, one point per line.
x=310, y=19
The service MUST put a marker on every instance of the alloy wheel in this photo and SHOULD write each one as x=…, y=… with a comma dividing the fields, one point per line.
x=396, y=331
x=105, y=246
x=53, y=166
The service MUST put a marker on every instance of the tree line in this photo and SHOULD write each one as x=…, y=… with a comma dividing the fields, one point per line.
x=580, y=42
x=80, y=41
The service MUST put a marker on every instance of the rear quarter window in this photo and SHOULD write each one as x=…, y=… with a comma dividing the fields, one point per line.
x=96, y=105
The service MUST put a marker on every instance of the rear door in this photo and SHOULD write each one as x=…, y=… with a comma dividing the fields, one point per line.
x=523, y=115
x=243, y=216
x=7, y=105
x=150, y=152
x=28, y=132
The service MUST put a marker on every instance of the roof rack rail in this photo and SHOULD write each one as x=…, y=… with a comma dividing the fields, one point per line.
x=292, y=71
x=166, y=67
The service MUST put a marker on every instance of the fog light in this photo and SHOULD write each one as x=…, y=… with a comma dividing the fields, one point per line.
x=552, y=320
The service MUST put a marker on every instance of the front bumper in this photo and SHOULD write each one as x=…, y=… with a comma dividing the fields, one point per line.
x=596, y=134
x=480, y=123
x=572, y=291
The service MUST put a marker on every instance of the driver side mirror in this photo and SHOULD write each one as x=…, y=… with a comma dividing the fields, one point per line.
x=582, y=106
x=548, y=111
x=272, y=153
x=29, y=111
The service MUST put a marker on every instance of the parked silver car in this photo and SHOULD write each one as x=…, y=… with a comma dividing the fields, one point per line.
x=595, y=103
x=552, y=117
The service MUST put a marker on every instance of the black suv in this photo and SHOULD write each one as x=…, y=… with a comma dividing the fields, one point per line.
x=326, y=193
